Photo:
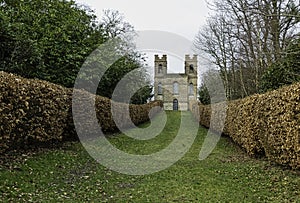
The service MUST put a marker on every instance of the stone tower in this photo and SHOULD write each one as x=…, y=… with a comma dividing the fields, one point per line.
x=176, y=90
x=191, y=69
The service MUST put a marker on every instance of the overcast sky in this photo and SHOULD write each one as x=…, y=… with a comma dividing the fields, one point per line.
x=182, y=17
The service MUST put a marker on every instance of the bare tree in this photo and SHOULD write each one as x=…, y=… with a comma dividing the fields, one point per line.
x=114, y=25
x=245, y=37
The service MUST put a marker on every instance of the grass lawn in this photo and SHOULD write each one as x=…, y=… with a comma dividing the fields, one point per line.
x=69, y=174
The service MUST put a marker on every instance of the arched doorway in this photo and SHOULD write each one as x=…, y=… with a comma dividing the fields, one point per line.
x=175, y=105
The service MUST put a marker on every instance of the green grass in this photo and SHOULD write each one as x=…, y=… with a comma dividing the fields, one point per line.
x=69, y=174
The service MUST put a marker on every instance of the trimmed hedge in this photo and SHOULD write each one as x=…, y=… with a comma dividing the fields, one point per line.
x=138, y=114
x=31, y=111
x=34, y=111
x=266, y=124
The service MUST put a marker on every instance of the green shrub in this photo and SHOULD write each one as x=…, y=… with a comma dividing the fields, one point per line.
x=204, y=94
x=285, y=71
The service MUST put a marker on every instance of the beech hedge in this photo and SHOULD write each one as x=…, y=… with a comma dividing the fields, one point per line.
x=31, y=111
x=86, y=125
x=35, y=111
x=263, y=124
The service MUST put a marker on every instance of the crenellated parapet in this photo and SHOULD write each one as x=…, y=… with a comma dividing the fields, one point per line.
x=162, y=58
x=191, y=57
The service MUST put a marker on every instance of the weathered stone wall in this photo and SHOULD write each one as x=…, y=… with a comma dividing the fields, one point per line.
x=168, y=93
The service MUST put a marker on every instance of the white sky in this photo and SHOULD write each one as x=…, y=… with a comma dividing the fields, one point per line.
x=182, y=17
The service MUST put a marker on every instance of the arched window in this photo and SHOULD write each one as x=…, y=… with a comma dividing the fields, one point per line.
x=175, y=105
x=175, y=88
x=191, y=89
x=191, y=68
x=160, y=68
x=159, y=88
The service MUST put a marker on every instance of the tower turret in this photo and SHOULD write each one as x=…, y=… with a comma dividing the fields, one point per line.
x=161, y=65
x=191, y=65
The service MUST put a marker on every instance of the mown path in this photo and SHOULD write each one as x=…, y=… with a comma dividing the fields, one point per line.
x=69, y=174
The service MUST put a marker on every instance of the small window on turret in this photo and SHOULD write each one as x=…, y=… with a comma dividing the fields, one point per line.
x=159, y=91
x=191, y=89
x=175, y=88
x=191, y=68
x=159, y=68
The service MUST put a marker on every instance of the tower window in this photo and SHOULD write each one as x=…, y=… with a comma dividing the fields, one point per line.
x=159, y=68
x=159, y=88
x=191, y=68
x=175, y=88
x=191, y=89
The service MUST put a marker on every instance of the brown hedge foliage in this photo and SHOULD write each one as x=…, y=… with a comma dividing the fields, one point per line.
x=137, y=114
x=30, y=111
x=34, y=111
x=266, y=124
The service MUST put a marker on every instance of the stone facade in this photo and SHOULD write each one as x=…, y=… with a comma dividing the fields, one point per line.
x=176, y=90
